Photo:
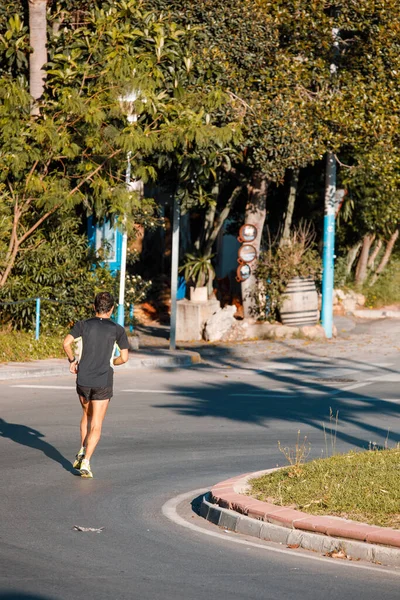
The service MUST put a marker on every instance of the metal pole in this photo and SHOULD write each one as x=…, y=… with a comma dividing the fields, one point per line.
x=121, y=300
x=37, y=322
x=329, y=246
x=174, y=272
x=328, y=254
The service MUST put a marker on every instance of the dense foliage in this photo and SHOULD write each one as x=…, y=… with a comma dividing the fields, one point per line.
x=60, y=272
x=221, y=100
x=119, y=62
x=311, y=77
x=279, y=263
x=21, y=347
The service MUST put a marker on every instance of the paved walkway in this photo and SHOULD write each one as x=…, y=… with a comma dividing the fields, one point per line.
x=146, y=358
x=356, y=338
x=362, y=339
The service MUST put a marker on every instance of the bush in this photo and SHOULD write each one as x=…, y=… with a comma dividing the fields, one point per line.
x=297, y=257
x=386, y=290
x=19, y=346
x=60, y=270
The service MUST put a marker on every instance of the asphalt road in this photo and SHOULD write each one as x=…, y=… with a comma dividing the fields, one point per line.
x=167, y=433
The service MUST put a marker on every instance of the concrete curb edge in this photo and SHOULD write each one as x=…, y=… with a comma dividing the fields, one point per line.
x=293, y=527
x=186, y=359
x=294, y=538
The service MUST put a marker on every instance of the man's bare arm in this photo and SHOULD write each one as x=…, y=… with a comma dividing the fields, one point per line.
x=122, y=358
x=67, y=345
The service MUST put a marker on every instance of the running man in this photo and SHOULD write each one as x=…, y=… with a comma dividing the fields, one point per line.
x=99, y=338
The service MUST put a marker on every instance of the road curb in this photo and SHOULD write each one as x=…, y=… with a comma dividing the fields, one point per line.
x=374, y=314
x=24, y=371
x=184, y=359
x=230, y=509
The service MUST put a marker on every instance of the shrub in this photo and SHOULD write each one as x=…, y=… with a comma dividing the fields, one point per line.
x=386, y=290
x=20, y=346
x=297, y=257
x=61, y=272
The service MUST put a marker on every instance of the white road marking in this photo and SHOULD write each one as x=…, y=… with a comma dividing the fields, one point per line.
x=265, y=394
x=396, y=400
x=367, y=399
x=45, y=387
x=304, y=390
x=279, y=367
x=176, y=393
x=354, y=386
x=388, y=378
x=169, y=510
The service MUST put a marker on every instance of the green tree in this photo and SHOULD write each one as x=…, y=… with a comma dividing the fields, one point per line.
x=277, y=58
x=74, y=151
x=60, y=271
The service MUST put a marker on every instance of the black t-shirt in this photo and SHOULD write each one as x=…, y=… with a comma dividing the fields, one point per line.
x=100, y=337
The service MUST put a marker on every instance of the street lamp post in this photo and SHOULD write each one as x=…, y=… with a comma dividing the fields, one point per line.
x=328, y=255
x=126, y=102
x=122, y=272
x=174, y=270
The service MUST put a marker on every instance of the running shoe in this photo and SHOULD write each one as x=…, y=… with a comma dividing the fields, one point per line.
x=85, y=469
x=78, y=458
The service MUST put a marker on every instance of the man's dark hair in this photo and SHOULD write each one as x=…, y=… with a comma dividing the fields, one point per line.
x=103, y=302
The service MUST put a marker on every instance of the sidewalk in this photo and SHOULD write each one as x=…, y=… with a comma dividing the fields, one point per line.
x=368, y=339
x=147, y=358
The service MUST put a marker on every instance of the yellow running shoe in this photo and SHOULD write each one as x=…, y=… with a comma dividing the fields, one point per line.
x=79, y=457
x=85, y=469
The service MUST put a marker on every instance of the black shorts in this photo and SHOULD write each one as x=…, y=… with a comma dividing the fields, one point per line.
x=91, y=393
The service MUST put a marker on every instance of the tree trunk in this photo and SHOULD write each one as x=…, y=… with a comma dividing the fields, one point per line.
x=219, y=221
x=361, y=271
x=386, y=256
x=210, y=216
x=37, y=39
x=208, y=223
x=256, y=211
x=374, y=254
x=351, y=257
x=290, y=207
x=186, y=238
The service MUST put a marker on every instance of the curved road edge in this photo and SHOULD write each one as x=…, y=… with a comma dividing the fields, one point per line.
x=227, y=507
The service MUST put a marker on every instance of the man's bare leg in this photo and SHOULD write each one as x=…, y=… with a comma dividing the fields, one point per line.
x=85, y=420
x=98, y=412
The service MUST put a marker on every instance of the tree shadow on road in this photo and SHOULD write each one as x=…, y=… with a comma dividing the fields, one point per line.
x=26, y=436
x=293, y=392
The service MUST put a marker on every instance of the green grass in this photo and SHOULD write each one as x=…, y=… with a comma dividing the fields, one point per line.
x=386, y=290
x=362, y=486
x=21, y=346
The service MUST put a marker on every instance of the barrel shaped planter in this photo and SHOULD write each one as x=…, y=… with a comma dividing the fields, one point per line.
x=300, y=303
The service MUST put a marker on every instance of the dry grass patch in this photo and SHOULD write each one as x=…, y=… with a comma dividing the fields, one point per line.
x=362, y=486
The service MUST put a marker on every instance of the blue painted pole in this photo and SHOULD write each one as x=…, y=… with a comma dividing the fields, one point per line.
x=329, y=246
x=37, y=322
x=174, y=271
x=121, y=299
x=131, y=310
